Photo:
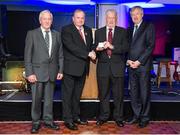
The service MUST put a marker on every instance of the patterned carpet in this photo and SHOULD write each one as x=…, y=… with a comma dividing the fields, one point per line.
x=155, y=127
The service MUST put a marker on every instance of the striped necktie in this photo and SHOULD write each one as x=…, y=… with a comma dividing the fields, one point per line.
x=47, y=39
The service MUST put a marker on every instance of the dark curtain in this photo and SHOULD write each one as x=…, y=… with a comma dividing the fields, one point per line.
x=19, y=22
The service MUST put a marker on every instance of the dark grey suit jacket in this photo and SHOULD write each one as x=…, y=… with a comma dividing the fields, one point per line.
x=36, y=57
x=142, y=45
x=117, y=61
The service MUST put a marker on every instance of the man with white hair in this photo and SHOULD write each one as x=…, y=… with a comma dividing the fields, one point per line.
x=111, y=48
x=43, y=59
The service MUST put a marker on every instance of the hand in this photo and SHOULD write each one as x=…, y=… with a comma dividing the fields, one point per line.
x=92, y=55
x=135, y=64
x=129, y=62
x=32, y=78
x=99, y=48
x=108, y=45
x=59, y=76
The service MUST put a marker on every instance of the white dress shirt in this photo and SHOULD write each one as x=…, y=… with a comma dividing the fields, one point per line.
x=50, y=38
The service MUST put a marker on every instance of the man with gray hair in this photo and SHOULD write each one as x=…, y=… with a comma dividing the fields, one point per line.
x=111, y=46
x=142, y=42
x=43, y=59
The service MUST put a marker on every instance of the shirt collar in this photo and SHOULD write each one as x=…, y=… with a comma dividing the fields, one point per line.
x=82, y=28
x=43, y=30
x=107, y=28
x=138, y=24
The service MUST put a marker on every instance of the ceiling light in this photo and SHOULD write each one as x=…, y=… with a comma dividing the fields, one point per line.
x=70, y=2
x=143, y=5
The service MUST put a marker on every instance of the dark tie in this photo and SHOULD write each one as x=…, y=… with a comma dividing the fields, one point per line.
x=47, y=38
x=109, y=51
x=135, y=30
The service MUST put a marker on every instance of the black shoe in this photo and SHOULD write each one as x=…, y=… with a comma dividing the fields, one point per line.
x=132, y=121
x=53, y=126
x=143, y=124
x=81, y=122
x=71, y=126
x=35, y=128
x=120, y=123
x=100, y=122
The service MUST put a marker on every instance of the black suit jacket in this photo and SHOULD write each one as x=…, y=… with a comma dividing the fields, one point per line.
x=142, y=45
x=76, y=59
x=117, y=61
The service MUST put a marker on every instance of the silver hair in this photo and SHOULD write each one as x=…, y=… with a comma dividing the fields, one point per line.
x=45, y=11
x=112, y=11
x=137, y=7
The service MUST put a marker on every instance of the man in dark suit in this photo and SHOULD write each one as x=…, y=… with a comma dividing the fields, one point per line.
x=43, y=59
x=142, y=41
x=77, y=46
x=111, y=45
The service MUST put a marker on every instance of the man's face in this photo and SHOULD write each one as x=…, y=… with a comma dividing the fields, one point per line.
x=46, y=21
x=79, y=19
x=111, y=19
x=136, y=16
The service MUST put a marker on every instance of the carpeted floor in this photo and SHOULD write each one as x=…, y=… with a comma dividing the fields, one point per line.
x=155, y=127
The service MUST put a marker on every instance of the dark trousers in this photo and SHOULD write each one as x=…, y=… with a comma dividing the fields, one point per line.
x=117, y=84
x=45, y=91
x=72, y=87
x=140, y=93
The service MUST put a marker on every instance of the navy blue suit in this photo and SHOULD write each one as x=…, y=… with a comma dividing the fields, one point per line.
x=141, y=47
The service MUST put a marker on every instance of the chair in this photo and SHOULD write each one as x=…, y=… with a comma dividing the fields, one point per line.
x=166, y=63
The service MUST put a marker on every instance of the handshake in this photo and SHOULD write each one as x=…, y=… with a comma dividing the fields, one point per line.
x=92, y=55
x=104, y=45
x=133, y=64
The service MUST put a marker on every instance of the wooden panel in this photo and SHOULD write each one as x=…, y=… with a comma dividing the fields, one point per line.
x=90, y=90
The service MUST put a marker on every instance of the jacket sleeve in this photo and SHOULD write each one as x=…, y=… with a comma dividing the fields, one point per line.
x=150, y=43
x=61, y=56
x=28, y=53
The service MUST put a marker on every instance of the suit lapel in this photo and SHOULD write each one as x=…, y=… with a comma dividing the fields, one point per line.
x=86, y=36
x=77, y=34
x=131, y=33
x=41, y=37
x=114, y=35
x=53, y=41
x=104, y=34
x=139, y=31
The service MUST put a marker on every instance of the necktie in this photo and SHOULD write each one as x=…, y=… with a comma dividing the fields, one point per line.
x=135, y=30
x=47, y=38
x=80, y=32
x=109, y=51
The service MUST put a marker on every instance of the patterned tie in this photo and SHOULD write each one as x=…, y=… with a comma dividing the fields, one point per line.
x=47, y=39
x=80, y=32
x=109, y=51
x=135, y=29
